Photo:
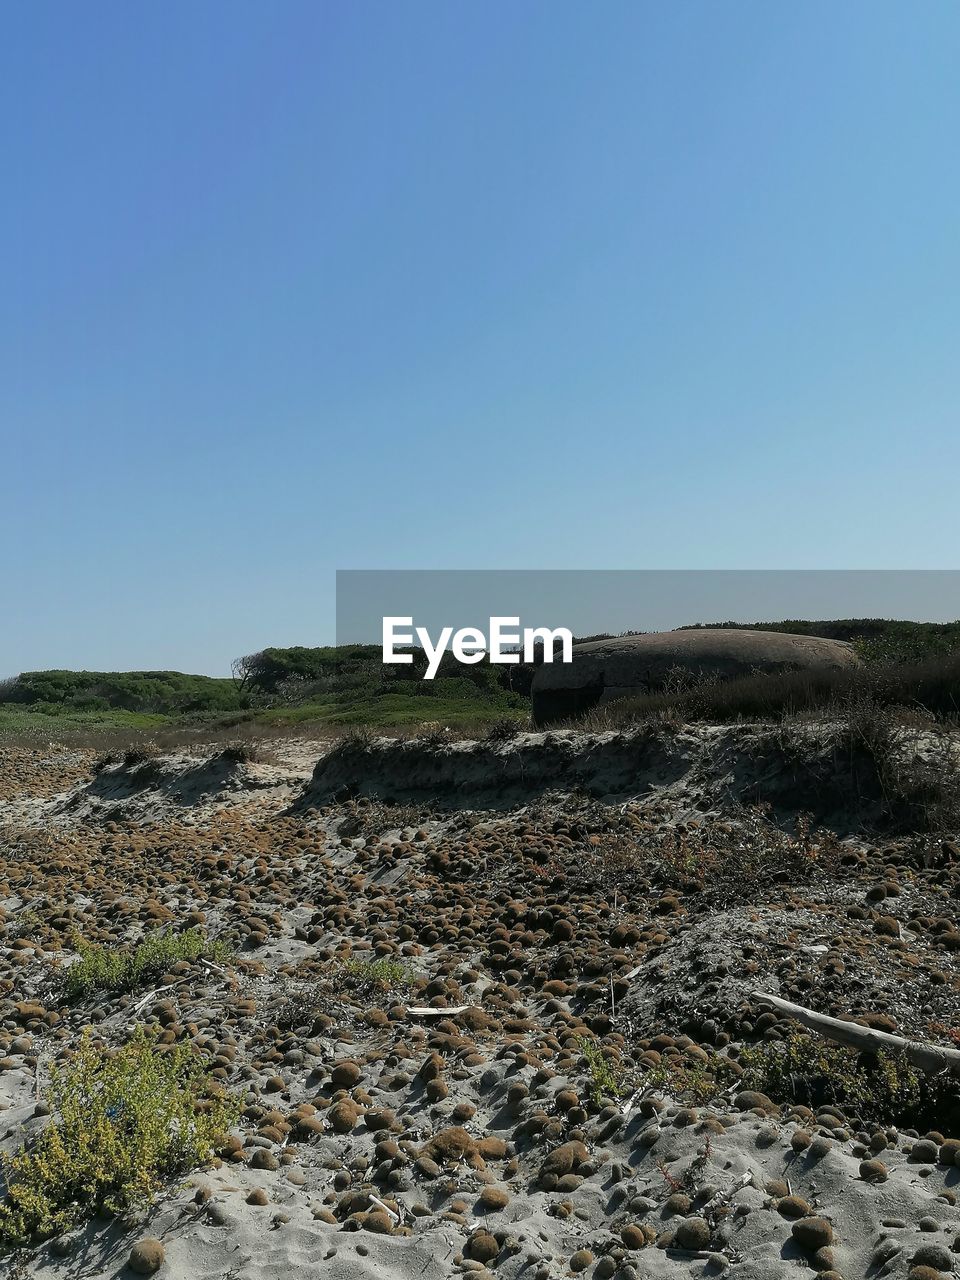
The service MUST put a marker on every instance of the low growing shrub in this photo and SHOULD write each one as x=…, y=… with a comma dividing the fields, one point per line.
x=882, y=1088
x=377, y=975
x=504, y=729
x=124, y=1122
x=695, y=1080
x=100, y=969
x=606, y=1078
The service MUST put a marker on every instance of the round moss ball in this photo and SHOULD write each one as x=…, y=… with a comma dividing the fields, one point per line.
x=692, y=1233
x=812, y=1233
x=146, y=1256
x=494, y=1198
x=482, y=1247
x=873, y=1171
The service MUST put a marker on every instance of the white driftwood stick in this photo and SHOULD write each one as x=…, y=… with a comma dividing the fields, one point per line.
x=932, y=1058
x=723, y=1196
x=428, y=1011
x=385, y=1207
x=145, y=1000
x=628, y=1105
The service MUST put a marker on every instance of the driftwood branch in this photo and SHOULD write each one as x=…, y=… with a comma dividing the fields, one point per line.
x=430, y=1011
x=932, y=1058
x=723, y=1196
x=385, y=1208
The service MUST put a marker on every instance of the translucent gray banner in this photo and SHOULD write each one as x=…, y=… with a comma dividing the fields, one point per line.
x=612, y=601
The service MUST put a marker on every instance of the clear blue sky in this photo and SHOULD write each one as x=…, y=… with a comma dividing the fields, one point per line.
x=302, y=286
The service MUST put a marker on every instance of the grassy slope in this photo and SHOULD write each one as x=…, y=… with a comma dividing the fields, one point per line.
x=342, y=687
x=392, y=710
x=23, y=720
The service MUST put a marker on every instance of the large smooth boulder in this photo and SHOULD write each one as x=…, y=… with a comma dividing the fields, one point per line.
x=624, y=666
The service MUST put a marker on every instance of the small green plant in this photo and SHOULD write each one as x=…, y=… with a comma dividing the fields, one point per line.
x=380, y=975
x=606, y=1079
x=123, y=1123
x=694, y=1080
x=99, y=969
x=881, y=1088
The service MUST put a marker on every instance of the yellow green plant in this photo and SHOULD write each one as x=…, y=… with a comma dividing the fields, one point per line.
x=381, y=974
x=692, y=1079
x=882, y=1088
x=99, y=969
x=123, y=1122
x=606, y=1078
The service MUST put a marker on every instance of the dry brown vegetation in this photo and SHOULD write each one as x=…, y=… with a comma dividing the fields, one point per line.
x=929, y=689
x=433, y=1001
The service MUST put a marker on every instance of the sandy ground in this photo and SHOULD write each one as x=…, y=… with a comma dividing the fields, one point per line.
x=539, y=898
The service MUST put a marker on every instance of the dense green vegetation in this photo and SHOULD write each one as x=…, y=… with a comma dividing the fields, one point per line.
x=877, y=639
x=328, y=685
x=164, y=693
x=348, y=685
x=21, y=721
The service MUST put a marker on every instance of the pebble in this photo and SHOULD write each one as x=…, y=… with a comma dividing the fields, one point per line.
x=933, y=1255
